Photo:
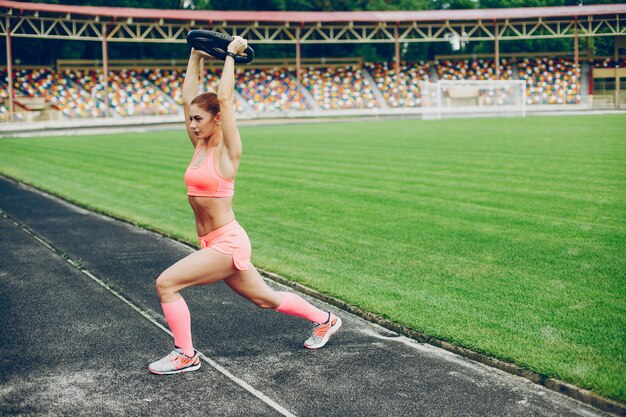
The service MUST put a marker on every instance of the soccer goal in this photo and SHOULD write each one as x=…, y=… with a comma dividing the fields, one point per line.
x=455, y=98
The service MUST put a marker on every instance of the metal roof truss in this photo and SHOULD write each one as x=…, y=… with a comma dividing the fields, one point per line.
x=68, y=27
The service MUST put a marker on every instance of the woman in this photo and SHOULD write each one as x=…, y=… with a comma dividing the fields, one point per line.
x=225, y=247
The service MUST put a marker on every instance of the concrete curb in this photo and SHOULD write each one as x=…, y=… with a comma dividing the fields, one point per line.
x=553, y=384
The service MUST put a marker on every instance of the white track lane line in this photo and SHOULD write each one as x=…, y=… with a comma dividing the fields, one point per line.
x=243, y=384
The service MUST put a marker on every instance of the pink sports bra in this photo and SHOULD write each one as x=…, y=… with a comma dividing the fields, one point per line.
x=205, y=181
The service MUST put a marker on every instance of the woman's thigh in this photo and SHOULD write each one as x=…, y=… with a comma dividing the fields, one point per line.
x=251, y=285
x=203, y=267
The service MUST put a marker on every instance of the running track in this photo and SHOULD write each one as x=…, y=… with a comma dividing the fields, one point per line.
x=80, y=323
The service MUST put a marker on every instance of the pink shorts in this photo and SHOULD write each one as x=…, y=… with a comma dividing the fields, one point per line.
x=230, y=239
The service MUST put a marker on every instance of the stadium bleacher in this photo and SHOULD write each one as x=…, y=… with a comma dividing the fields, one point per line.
x=550, y=80
x=270, y=90
x=130, y=95
x=154, y=91
x=169, y=81
x=52, y=87
x=479, y=69
x=402, y=92
x=342, y=87
x=85, y=102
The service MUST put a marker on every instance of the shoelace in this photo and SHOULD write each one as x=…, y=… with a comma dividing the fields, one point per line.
x=175, y=356
x=172, y=356
x=185, y=359
x=321, y=329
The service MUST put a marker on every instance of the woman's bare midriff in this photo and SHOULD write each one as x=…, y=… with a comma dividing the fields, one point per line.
x=211, y=213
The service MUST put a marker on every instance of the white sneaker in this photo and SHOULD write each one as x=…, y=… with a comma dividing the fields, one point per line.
x=322, y=332
x=174, y=363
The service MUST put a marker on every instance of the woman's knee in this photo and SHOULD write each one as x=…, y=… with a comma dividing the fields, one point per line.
x=164, y=285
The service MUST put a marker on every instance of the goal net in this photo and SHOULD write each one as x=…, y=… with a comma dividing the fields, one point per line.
x=463, y=98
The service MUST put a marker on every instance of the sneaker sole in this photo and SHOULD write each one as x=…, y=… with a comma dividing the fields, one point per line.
x=326, y=338
x=178, y=371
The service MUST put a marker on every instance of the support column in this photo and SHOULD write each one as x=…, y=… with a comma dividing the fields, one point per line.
x=576, y=58
x=616, y=66
x=496, y=49
x=105, y=69
x=298, y=66
x=10, y=69
x=397, y=54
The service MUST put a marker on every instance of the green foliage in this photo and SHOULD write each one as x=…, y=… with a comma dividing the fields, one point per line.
x=397, y=5
x=496, y=4
x=283, y=5
x=454, y=4
x=587, y=2
x=368, y=52
x=147, y=4
x=601, y=46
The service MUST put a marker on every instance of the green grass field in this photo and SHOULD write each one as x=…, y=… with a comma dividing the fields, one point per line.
x=506, y=236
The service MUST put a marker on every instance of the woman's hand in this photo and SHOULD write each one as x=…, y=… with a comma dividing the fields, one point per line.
x=201, y=54
x=238, y=45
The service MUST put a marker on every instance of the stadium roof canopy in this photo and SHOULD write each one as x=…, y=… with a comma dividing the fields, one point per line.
x=324, y=17
x=154, y=25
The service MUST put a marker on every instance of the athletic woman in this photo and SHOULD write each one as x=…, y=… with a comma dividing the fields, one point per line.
x=224, y=246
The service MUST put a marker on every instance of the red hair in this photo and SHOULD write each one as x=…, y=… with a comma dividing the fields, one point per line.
x=208, y=102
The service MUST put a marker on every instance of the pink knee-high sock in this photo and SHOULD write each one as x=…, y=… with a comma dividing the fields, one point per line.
x=295, y=305
x=179, y=320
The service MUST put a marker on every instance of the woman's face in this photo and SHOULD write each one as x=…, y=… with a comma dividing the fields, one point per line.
x=203, y=123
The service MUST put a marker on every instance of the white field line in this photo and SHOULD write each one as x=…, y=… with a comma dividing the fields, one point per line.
x=243, y=384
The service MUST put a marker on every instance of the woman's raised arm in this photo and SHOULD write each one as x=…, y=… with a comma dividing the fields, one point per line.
x=226, y=96
x=190, y=90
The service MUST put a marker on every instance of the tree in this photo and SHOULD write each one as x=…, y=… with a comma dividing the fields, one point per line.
x=496, y=4
x=148, y=4
x=454, y=4
x=500, y=4
x=397, y=5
